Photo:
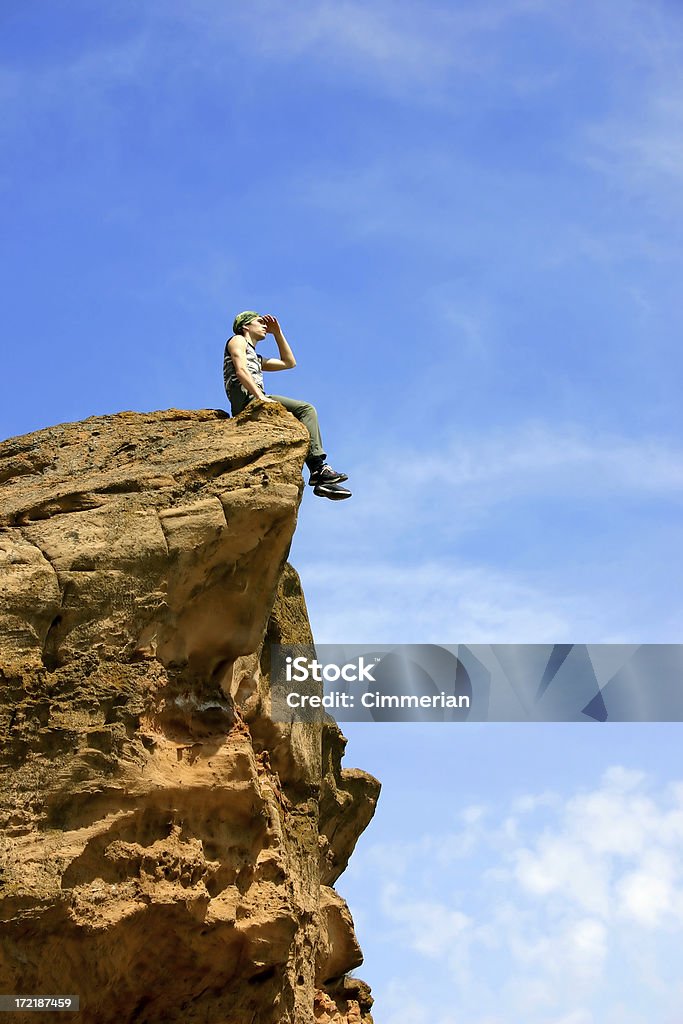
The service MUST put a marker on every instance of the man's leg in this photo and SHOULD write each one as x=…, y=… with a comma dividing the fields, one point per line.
x=306, y=414
x=323, y=479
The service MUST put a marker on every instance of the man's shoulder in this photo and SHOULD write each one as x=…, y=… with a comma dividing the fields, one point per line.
x=231, y=349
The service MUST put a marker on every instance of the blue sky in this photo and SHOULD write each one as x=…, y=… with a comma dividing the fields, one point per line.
x=467, y=217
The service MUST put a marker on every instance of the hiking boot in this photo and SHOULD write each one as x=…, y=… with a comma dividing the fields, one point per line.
x=333, y=491
x=326, y=475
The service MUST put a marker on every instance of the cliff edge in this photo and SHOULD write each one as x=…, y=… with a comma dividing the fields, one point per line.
x=167, y=851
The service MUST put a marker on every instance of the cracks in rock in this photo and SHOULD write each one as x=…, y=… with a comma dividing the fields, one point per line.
x=133, y=485
x=261, y=976
x=163, y=534
x=82, y=501
x=44, y=554
x=63, y=504
x=49, y=640
x=127, y=446
x=50, y=645
x=22, y=468
x=164, y=583
x=210, y=471
x=226, y=465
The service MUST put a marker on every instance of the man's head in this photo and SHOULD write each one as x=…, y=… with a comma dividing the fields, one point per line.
x=251, y=325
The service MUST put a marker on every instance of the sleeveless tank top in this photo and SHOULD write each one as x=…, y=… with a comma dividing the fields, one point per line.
x=253, y=364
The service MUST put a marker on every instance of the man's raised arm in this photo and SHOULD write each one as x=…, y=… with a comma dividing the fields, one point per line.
x=286, y=360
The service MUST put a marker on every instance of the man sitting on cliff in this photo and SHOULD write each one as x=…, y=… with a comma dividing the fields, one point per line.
x=243, y=375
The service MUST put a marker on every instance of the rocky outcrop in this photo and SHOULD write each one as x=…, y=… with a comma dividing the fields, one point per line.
x=168, y=851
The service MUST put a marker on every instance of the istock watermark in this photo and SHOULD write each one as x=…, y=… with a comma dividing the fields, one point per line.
x=478, y=682
x=302, y=669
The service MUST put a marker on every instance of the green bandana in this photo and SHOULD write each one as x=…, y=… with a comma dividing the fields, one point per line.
x=243, y=318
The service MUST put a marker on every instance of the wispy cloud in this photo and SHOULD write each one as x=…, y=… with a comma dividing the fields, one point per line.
x=398, y=47
x=644, y=149
x=438, y=602
x=393, y=582
x=394, y=47
x=639, y=143
x=484, y=474
x=542, y=457
x=77, y=76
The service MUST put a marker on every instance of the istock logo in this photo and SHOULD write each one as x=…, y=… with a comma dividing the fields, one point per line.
x=301, y=670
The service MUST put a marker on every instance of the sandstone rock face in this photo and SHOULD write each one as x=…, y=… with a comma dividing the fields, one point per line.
x=167, y=851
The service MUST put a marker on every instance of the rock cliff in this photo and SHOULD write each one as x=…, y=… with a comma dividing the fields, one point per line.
x=168, y=852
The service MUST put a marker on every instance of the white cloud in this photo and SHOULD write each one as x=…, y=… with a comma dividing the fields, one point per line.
x=589, y=862
x=575, y=1017
x=587, y=945
x=400, y=1006
x=560, y=866
x=430, y=926
x=568, y=920
x=646, y=897
x=530, y=802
